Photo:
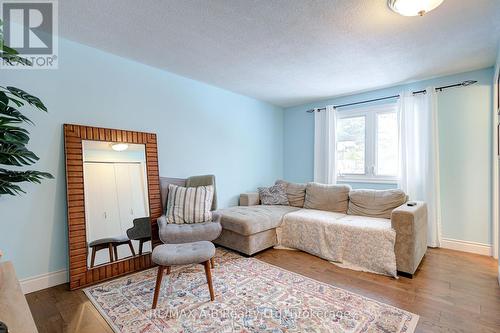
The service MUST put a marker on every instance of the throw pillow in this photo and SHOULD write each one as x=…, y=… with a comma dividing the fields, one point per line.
x=375, y=203
x=332, y=198
x=274, y=195
x=189, y=204
x=295, y=192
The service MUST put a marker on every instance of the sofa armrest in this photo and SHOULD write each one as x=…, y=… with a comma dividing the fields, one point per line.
x=410, y=224
x=249, y=199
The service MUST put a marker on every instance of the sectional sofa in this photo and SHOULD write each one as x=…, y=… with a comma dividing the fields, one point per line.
x=364, y=229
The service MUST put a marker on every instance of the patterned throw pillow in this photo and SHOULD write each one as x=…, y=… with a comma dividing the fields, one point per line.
x=189, y=204
x=274, y=195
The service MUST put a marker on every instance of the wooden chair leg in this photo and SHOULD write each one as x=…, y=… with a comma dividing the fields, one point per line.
x=140, y=246
x=159, y=277
x=212, y=262
x=131, y=248
x=92, y=260
x=168, y=270
x=208, y=273
x=110, y=248
x=115, y=249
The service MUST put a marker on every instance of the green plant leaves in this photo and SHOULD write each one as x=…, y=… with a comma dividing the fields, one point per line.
x=13, y=59
x=18, y=155
x=13, y=139
x=10, y=188
x=32, y=100
x=12, y=115
x=13, y=135
x=8, y=178
x=23, y=176
x=4, y=100
x=11, y=56
x=6, y=96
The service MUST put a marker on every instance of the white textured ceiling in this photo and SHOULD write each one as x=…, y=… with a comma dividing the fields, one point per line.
x=288, y=52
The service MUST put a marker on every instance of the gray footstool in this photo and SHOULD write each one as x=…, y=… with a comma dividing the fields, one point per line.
x=167, y=255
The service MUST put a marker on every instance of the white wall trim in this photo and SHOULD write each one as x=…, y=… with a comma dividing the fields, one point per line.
x=466, y=246
x=43, y=281
x=495, y=169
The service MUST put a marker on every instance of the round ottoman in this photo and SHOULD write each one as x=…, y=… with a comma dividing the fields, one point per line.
x=167, y=255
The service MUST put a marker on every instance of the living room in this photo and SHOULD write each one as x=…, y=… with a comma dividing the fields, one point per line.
x=333, y=165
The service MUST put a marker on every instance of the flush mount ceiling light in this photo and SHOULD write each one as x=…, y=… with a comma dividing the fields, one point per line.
x=413, y=7
x=119, y=146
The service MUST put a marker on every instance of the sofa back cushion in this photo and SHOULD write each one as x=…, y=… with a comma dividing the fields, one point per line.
x=375, y=203
x=295, y=192
x=332, y=198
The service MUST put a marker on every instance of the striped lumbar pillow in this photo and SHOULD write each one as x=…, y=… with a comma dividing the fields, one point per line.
x=189, y=204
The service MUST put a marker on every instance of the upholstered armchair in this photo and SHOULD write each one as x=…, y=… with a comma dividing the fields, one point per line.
x=193, y=232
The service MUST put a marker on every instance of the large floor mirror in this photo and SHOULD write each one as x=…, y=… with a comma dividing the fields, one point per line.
x=116, y=201
x=113, y=201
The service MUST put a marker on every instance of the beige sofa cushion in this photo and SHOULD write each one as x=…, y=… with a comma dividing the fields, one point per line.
x=295, y=192
x=249, y=220
x=332, y=198
x=375, y=203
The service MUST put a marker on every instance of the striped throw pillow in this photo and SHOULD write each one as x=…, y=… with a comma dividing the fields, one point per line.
x=189, y=204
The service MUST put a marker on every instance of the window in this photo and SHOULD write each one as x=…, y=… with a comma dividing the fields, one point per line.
x=351, y=145
x=368, y=143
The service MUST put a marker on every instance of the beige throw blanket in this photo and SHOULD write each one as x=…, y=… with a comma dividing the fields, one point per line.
x=357, y=242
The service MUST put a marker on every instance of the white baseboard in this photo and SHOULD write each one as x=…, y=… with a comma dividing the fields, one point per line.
x=466, y=246
x=43, y=281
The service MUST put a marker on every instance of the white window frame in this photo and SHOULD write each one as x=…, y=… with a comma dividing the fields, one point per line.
x=370, y=114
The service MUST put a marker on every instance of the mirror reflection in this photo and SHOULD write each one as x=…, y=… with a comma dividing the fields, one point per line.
x=116, y=201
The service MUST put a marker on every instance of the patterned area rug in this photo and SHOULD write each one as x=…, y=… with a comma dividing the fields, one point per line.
x=251, y=296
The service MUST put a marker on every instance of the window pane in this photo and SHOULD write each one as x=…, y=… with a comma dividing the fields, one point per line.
x=387, y=144
x=351, y=145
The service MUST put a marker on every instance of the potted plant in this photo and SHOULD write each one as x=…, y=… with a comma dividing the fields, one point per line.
x=14, y=138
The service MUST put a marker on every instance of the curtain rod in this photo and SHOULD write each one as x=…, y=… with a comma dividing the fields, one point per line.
x=461, y=84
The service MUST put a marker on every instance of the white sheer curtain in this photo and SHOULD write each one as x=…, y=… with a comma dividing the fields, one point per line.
x=419, y=156
x=324, y=146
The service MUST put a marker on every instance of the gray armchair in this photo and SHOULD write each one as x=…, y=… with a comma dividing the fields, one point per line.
x=186, y=233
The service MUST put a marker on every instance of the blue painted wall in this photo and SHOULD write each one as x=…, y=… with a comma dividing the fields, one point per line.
x=201, y=129
x=465, y=126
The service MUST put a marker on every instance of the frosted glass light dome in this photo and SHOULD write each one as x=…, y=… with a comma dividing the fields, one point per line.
x=119, y=146
x=413, y=7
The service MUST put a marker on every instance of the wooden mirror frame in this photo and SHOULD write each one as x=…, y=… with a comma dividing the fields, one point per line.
x=79, y=274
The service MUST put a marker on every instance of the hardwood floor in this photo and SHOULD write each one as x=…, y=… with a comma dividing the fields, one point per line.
x=452, y=292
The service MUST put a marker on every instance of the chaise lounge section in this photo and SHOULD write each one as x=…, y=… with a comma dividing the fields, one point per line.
x=251, y=228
